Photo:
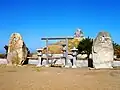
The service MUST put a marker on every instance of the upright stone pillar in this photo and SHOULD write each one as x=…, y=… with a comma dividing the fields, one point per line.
x=47, y=61
x=65, y=55
x=17, y=50
x=39, y=51
x=64, y=52
x=74, y=53
x=102, y=51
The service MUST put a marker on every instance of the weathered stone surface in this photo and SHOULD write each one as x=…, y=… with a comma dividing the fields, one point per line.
x=17, y=50
x=102, y=51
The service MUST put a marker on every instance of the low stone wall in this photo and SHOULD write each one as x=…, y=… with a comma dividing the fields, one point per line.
x=116, y=63
x=82, y=63
x=79, y=63
x=3, y=61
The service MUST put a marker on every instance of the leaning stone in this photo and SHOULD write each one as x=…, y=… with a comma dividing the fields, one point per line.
x=102, y=51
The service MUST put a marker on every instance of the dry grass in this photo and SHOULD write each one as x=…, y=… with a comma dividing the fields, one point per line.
x=56, y=48
x=33, y=78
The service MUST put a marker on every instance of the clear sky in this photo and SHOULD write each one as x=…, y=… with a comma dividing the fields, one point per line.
x=34, y=19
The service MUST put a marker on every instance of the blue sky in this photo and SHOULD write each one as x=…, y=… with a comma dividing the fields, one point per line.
x=34, y=19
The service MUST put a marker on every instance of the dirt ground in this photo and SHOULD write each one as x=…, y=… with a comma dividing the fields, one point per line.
x=32, y=78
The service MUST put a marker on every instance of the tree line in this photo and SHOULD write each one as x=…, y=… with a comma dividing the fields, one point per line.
x=85, y=47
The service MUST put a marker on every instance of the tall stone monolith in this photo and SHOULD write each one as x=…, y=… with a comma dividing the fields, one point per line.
x=17, y=50
x=102, y=51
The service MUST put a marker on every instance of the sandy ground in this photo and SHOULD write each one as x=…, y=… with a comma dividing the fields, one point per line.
x=32, y=78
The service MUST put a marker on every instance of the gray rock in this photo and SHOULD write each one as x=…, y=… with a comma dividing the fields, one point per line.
x=102, y=51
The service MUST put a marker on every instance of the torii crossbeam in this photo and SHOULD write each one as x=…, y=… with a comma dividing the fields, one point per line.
x=58, y=38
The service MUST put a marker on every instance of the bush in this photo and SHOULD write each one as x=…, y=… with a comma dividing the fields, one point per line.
x=85, y=46
x=116, y=49
x=2, y=55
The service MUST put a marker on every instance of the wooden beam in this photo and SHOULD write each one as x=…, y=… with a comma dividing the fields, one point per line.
x=56, y=38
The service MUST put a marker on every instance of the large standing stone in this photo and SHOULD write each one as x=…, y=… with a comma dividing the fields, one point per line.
x=102, y=51
x=17, y=50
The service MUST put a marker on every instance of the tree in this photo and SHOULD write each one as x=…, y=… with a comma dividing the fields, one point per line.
x=85, y=46
x=116, y=49
x=6, y=48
